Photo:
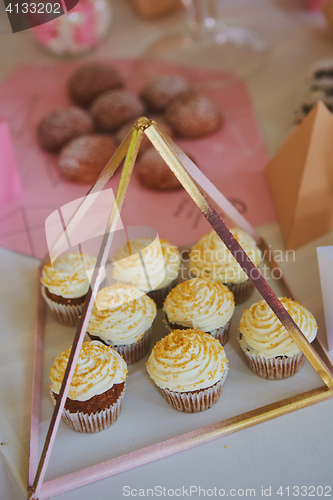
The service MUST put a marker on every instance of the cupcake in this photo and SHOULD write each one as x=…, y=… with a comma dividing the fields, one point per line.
x=210, y=258
x=267, y=345
x=65, y=285
x=157, y=276
x=202, y=304
x=122, y=317
x=190, y=368
x=97, y=388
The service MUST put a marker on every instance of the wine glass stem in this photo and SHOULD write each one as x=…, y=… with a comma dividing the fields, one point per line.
x=201, y=15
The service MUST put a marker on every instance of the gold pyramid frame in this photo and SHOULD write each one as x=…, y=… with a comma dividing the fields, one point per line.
x=194, y=183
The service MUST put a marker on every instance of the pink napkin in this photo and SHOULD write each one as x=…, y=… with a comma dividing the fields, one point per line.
x=233, y=158
x=10, y=185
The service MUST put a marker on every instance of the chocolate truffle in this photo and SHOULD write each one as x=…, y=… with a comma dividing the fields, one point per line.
x=154, y=173
x=193, y=115
x=159, y=92
x=84, y=158
x=114, y=108
x=61, y=126
x=90, y=80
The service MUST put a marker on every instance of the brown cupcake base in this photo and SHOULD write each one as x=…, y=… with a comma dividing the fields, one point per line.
x=66, y=311
x=221, y=334
x=277, y=368
x=76, y=413
x=158, y=296
x=195, y=401
x=62, y=300
x=131, y=352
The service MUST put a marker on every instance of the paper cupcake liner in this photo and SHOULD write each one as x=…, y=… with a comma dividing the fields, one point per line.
x=221, y=334
x=65, y=314
x=158, y=296
x=241, y=291
x=193, y=402
x=95, y=422
x=277, y=368
x=131, y=352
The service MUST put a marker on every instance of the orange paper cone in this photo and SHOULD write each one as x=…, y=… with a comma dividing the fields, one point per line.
x=327, y=10
x=300, y=176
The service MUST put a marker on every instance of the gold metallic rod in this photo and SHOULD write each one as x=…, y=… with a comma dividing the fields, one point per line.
x=322, y=352
x=183, y=442
x=136, y=138
x=36, y=385
x=171, y=158
x=87, y=201
x=209, y=188
x=99, y=184
x=317, y=344
x=132, y=153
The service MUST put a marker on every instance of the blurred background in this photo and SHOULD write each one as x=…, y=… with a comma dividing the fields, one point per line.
x=295, y=35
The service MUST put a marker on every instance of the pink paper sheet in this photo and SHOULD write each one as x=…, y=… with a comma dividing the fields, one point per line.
x=10, y=185
x=233, y=158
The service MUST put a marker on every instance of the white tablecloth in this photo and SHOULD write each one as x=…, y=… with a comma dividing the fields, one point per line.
x=294, y=450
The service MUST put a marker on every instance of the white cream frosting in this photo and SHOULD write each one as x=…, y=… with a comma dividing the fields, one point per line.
x=98, y=368
x=200, y=303
x=70, y=275
x=264, y=334
x=210, y=258
x=161, y=262
x=187, y=360
x=121, y=314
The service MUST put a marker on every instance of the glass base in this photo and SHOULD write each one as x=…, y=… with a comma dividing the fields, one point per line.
x=231, y=49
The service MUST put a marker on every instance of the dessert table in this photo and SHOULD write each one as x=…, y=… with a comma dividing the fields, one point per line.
x=288, y=456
